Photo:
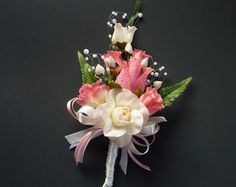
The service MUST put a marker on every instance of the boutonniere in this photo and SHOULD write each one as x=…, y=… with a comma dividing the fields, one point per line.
x=121, y=96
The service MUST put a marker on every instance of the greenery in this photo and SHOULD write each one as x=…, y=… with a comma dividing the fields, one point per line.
x=170, y=93
x=113, y=84
x=88, y=77
x=137, y=9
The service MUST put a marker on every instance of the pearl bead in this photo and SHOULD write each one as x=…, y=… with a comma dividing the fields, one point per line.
x=89, y=70
x=93, y=68
x=86, y=58
x=156, y=74
x=86, y=51
x=95, y=55
x=165, y=73
x=140, y=15
x=114, y=13
x=155, y=63
x=114, y=21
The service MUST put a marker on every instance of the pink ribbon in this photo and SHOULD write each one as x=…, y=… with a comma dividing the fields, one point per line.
x=81, y=147
x=148, y=130
x=85, y=137
x=70, y=107
x=132, y=150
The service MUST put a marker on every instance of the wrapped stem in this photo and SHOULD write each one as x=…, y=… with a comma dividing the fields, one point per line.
x=110, y=164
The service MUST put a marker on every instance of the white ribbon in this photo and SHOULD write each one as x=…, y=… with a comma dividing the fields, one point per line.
x=81, y=139
x=110, y=164
x=75, y=138
x=150, y=129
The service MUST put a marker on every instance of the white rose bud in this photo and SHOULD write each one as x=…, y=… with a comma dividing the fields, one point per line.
x=111, y=62
x=157, y=84
x=123, y=34
x=129, y=48
x=99, y=70
x=144, y=62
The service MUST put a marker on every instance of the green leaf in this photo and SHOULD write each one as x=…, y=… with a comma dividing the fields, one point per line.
x=113, y=84
x=170, y=93
x=87, y=76
x=137, y=9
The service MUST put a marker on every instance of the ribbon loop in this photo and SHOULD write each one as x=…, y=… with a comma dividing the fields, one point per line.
x=85, y=115
x=81, y=147
x=70, y=107
x=138, y=162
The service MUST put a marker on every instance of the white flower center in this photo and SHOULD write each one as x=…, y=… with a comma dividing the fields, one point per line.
x=121, y=116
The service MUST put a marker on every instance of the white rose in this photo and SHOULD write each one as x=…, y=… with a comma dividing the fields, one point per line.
x=121, y=116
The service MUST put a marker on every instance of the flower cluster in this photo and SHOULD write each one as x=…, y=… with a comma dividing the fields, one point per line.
x=122, y=98
x=121, y=91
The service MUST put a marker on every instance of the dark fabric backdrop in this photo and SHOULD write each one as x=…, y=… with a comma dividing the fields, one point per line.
x=39, y=73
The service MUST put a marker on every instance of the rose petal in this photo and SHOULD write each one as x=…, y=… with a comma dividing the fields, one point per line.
x=112, y=131
x=124, y=77
x=126, y=98
x=136, y=122
x=141, y=82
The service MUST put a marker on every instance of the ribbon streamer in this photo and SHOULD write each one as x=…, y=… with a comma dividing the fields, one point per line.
x=81, y=139
x=76, y=137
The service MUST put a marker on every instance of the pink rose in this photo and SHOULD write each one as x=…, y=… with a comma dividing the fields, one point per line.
x=92, y=94
x=133, y=77
x=152, y=100
x=141, y=56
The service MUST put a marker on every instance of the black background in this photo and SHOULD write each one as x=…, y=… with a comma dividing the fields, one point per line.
x=39, y=73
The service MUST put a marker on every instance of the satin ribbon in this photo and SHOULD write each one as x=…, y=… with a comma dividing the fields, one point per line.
x=70, y=107
x=81, y=139
x=148, y=130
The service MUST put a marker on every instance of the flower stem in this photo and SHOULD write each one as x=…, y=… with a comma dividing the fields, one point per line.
x=110, y=164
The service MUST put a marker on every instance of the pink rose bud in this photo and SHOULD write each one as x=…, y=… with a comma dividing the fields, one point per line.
x=133, y=77
x=152, y=100
x=141, y=56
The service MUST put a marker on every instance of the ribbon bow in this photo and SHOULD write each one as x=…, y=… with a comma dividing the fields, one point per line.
x=81, y=139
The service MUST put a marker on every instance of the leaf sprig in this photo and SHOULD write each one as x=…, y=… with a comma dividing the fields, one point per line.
x=88, y=77
x=170, y=93
x=137, y=9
